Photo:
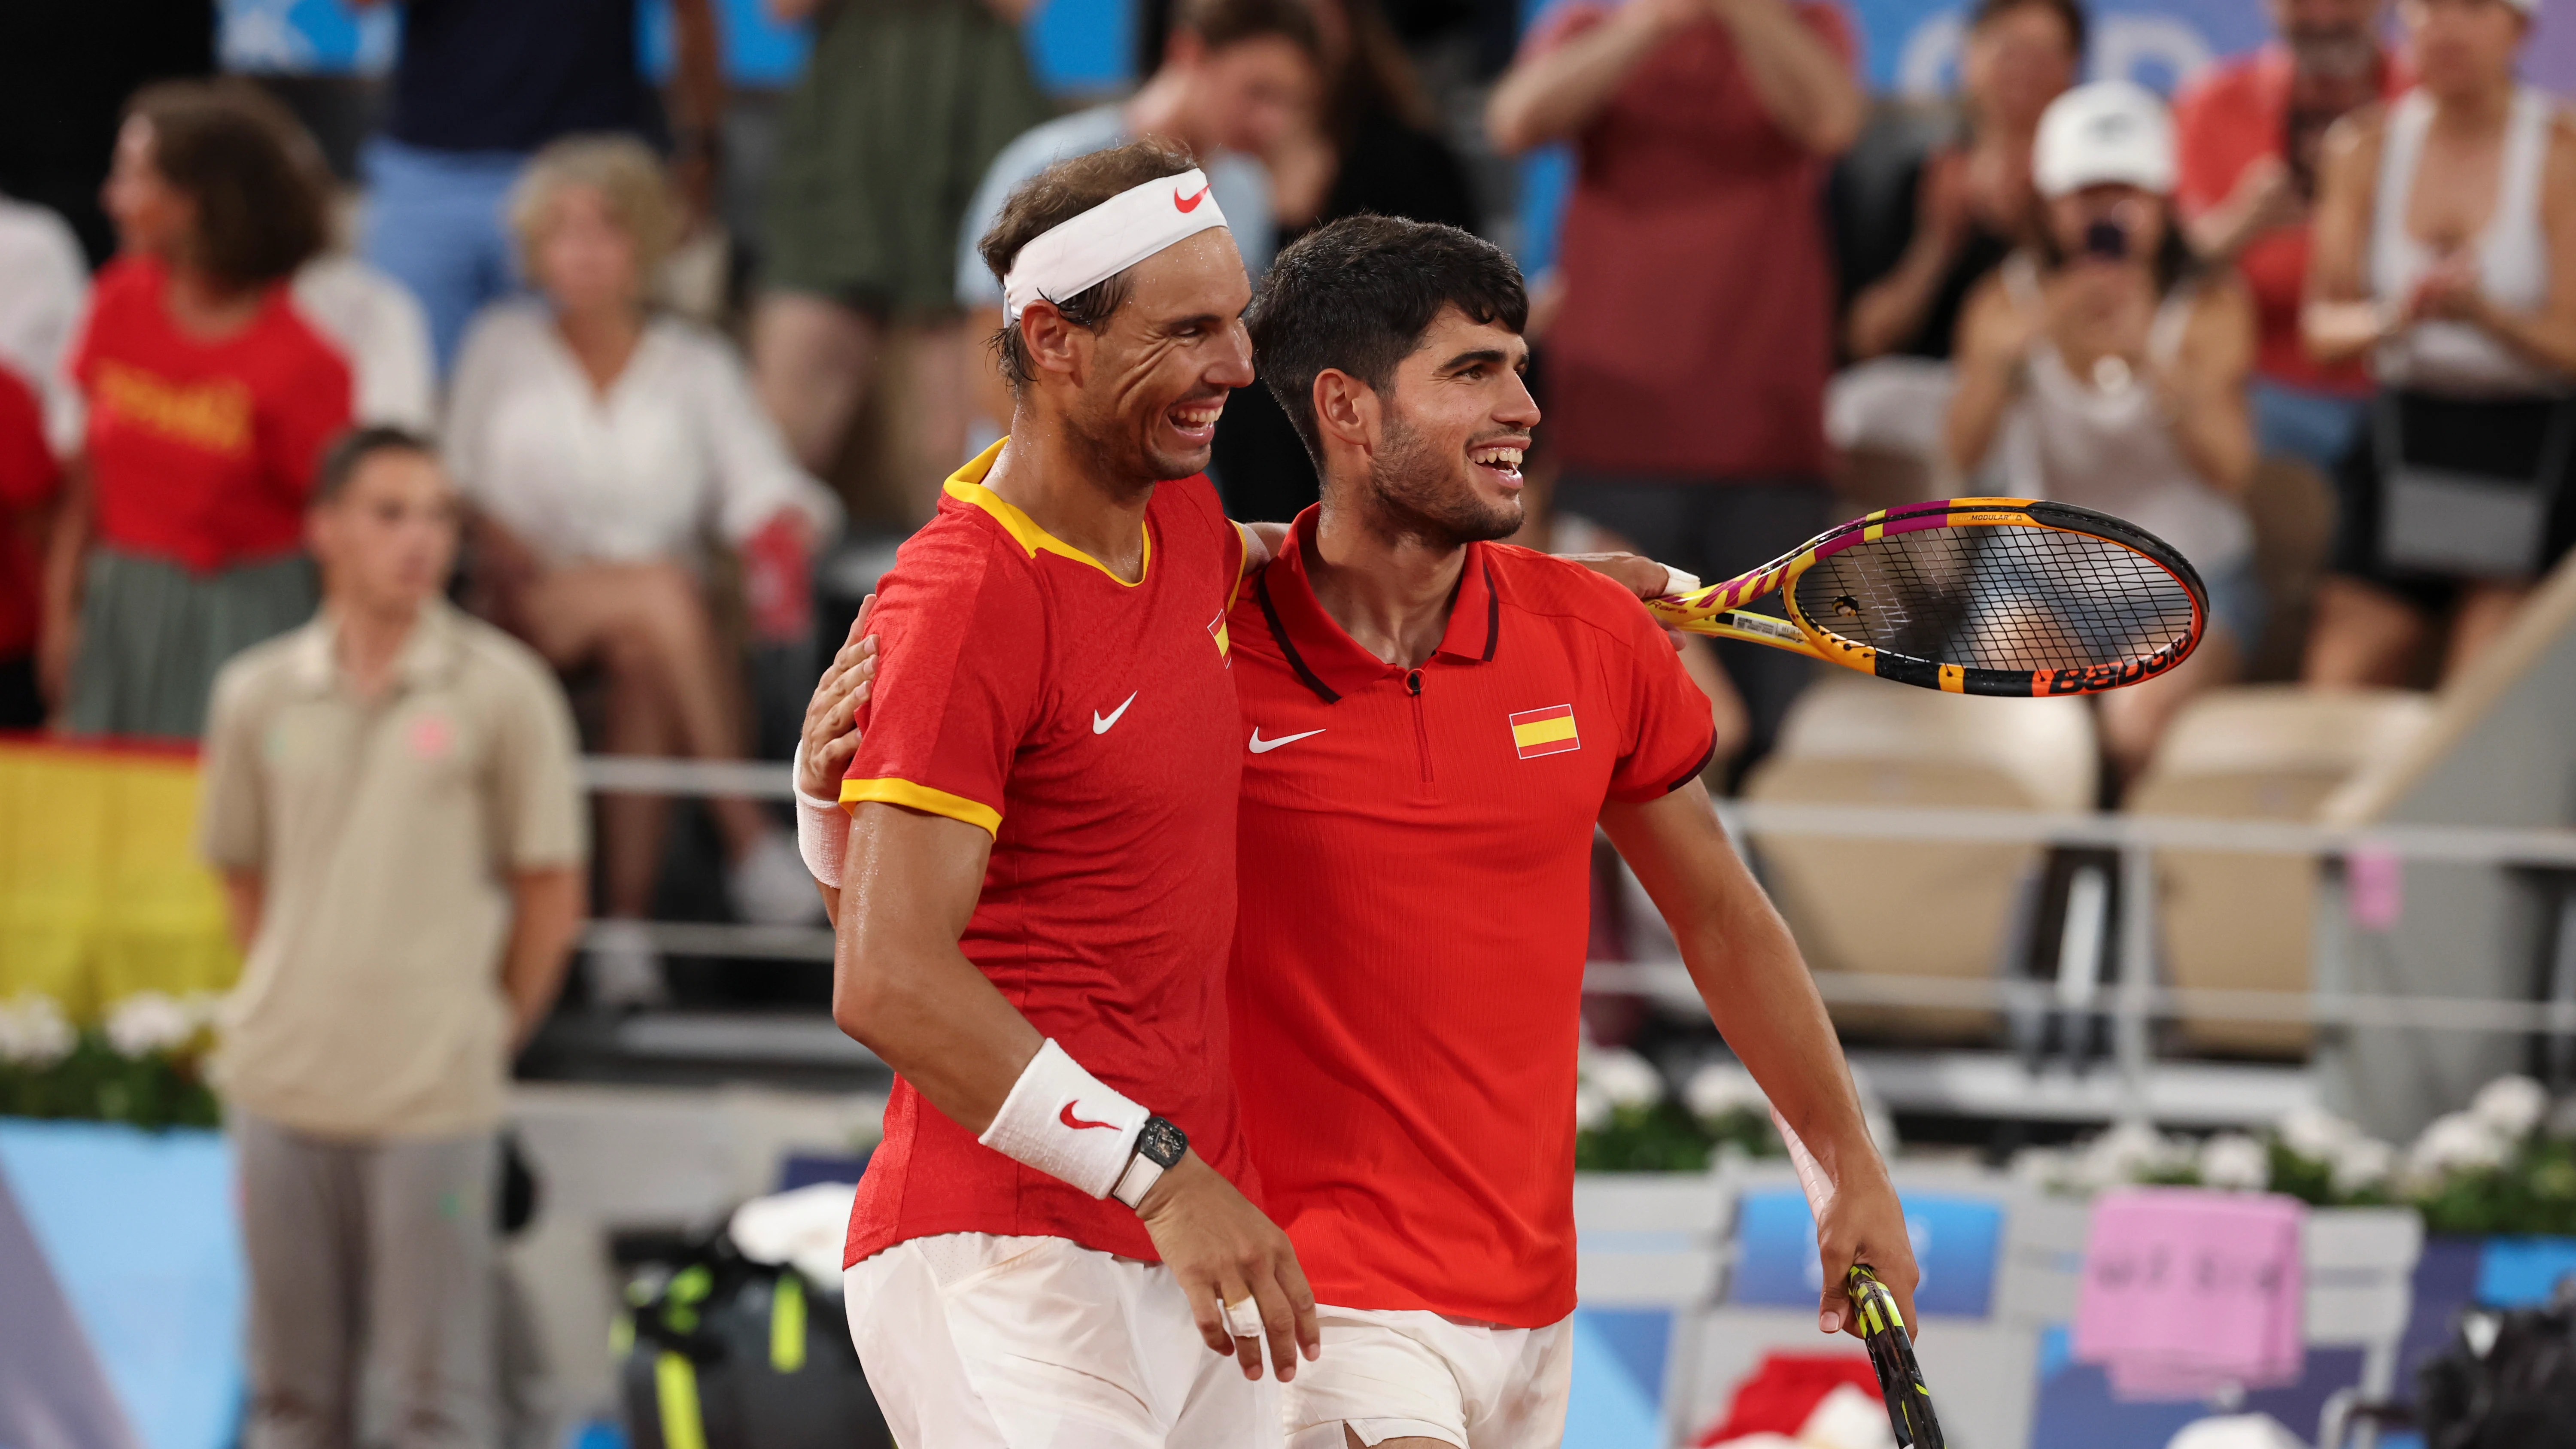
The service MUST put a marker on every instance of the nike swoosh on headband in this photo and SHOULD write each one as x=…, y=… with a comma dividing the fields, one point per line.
x=1188, y=204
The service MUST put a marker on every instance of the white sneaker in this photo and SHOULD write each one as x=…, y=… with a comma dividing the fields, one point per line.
x=771, y=886
x=624, y=968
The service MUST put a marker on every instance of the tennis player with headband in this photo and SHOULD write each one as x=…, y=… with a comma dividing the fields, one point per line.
x=1060, y=1224
x=1433, y=723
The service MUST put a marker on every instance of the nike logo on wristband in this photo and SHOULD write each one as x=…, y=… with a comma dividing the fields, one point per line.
x=1067, y=1118
x=1261, y=746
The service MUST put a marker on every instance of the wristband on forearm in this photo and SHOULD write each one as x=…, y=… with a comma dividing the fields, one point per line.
x=1067, y=1123
x=822, y=828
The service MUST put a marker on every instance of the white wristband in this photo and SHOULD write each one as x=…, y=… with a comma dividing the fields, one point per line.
x=1064, y=1122
x=822, y=828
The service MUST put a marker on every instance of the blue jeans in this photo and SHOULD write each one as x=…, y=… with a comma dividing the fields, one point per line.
x=2316, y=428
x=435, y=223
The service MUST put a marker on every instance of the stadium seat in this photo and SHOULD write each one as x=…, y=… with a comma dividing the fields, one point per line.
x=2243, y=921
x=1932, y=908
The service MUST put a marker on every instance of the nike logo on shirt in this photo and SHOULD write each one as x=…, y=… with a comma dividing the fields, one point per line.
x=1100, y=726
x=1261, y=746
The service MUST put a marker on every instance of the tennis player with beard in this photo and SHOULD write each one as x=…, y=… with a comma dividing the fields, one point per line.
x=1433, y=722
x=1059, y=1225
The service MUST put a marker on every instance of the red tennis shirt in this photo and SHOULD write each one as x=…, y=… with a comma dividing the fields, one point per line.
x=201, y=452
x=1415, y=903
x=1090, y=724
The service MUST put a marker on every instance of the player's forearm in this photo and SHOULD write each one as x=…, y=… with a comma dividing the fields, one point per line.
x=933, y=1018
x=900, y=986
x=544, y=923
x=1748, y=971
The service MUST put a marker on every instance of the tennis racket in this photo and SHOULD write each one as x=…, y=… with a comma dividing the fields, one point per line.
x=2004, y=596
x=1891, y=1354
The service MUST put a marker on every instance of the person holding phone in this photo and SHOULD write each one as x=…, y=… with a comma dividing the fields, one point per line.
x=2445, y=251
x=2107, y=367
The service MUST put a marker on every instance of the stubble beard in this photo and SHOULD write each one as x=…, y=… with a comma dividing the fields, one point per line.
x=1418, y=491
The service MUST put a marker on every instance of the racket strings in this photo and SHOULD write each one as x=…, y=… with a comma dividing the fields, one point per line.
x=2004, y=598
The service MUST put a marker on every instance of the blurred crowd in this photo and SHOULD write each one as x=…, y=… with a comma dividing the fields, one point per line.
x=2314, y=323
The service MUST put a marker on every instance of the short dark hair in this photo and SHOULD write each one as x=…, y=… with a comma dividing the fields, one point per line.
x=1220, y=23
x=1053, y=197
x=1356, y=296
x=261, y=207
x=350, y=451
x=2069, y=12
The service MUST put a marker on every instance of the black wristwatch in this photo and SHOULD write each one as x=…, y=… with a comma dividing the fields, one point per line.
x=1159, y=1148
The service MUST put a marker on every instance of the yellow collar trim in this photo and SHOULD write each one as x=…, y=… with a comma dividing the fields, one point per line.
x=966, y=485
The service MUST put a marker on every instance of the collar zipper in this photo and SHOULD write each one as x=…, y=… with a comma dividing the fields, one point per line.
x=1421, y=728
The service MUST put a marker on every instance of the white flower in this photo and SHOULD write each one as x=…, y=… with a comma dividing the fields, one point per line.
x=2362, y=1163
x=2315, y=1133
x=2511, y=1105
x=1591, y=1107
x=2125, y=1154
x=147, y=1022
x=2236, y=1163
x=1721, y=1089
x=1624, y=1077
x=34, y=1032
x=2460, y=1141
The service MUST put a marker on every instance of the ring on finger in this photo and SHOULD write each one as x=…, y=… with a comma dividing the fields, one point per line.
x=1243, y=1318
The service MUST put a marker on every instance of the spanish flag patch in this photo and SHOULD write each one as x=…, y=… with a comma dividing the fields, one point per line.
x=1550, y=731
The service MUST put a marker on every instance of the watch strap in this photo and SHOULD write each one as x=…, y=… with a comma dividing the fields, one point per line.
x=1139, y=1179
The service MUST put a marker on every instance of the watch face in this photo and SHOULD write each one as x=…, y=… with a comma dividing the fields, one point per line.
x=1162, y=1142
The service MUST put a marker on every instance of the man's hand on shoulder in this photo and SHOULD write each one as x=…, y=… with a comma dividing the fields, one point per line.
x=831, y=734
x=1636, y=573
x=1222, y=1250
x=1639, y=575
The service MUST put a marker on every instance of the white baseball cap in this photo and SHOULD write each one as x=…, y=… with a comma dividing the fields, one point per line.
x=2111, y=131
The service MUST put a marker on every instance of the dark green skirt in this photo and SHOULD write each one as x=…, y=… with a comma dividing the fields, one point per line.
x=153, y=634
x=880, y=148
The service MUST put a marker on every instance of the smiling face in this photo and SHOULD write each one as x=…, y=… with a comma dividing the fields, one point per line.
x=1453, y=428
x=1148, y=384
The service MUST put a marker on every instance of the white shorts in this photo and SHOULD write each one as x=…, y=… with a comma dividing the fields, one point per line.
x=973, y=1341
x=1392, y=1374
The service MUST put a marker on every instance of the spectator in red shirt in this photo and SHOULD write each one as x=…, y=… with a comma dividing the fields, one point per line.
x=29, y=477
x=209, y=400
x=2249, y=131
x=1687, y=368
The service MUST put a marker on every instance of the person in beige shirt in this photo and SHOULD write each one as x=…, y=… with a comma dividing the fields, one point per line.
x=391, y=795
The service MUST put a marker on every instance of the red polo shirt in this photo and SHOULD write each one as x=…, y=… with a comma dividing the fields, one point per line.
x=2235, y=114
x=1414, y=903
x=1089, y=724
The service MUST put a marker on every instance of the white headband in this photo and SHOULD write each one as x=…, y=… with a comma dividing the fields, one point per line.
x=1078, y=255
